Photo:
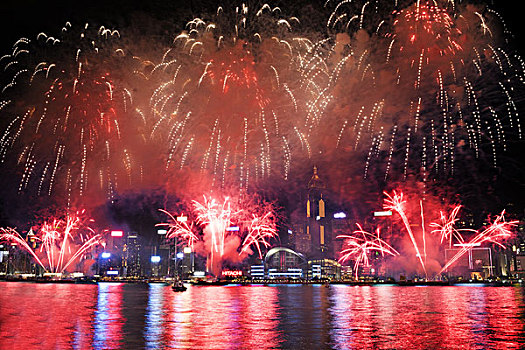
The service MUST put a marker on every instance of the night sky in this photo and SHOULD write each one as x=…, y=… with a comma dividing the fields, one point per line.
x=162, y=20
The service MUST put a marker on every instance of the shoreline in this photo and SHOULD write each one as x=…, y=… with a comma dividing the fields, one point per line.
x=272, y=283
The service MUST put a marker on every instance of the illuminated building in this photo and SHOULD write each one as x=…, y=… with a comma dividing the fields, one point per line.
x=187, y=262
x=131, y=256
x=341, y=225
x=346, y=272
x=316, y=220
x=476, y=264
x=324, y=269
x=289, y=273
x=4, y=259
x=113, y=258
x=105, y=263
x=257, y=272
x=300, y=238
x=155, y=261
x=515, y=253
x=311, y=232
x=282, y=262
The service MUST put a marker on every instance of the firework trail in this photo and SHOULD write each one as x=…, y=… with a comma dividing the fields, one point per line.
x=180, y=229
x=261, y=229
x=396, y=203
x=233, y=95
x=73, y=128
x=358, y=248
x=441, y=78
x=62, y=241
x=499, y=229
x=446, y=227
x=10, y=235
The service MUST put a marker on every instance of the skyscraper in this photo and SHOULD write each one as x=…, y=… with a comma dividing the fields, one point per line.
x=131, y=259
x=316, y=221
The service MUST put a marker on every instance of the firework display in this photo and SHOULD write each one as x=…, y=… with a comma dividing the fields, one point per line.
x=243, y=92
x=229, y=229
x=261, y=230
x=72, y=124
x=180, y=229
x=442, y=81
x=58, y=243
x=232, y=94
x=239, y=102
x=357, y=247
x=396, y=203
x=446, y=228
x=498, y=230
x=262, y=175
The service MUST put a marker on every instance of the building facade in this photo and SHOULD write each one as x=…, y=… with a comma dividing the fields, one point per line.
x=318, y=222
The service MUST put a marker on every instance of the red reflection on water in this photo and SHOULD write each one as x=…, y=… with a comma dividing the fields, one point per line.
x=503, y=308
x=212, y=318
x=259, y=318
x=224, y=317
x=57, y=316
x=46, y=316
x=108, y=320
x=60, y=316
x=386, y=317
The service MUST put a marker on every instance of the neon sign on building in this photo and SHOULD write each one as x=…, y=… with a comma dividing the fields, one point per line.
x=232, y=273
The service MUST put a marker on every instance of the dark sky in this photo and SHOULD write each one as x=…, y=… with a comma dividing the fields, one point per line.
x=26, y=17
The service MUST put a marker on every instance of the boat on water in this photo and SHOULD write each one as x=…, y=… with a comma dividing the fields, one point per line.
x=178, y=286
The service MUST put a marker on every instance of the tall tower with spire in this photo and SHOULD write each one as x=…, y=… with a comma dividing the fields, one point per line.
x=316, y=216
